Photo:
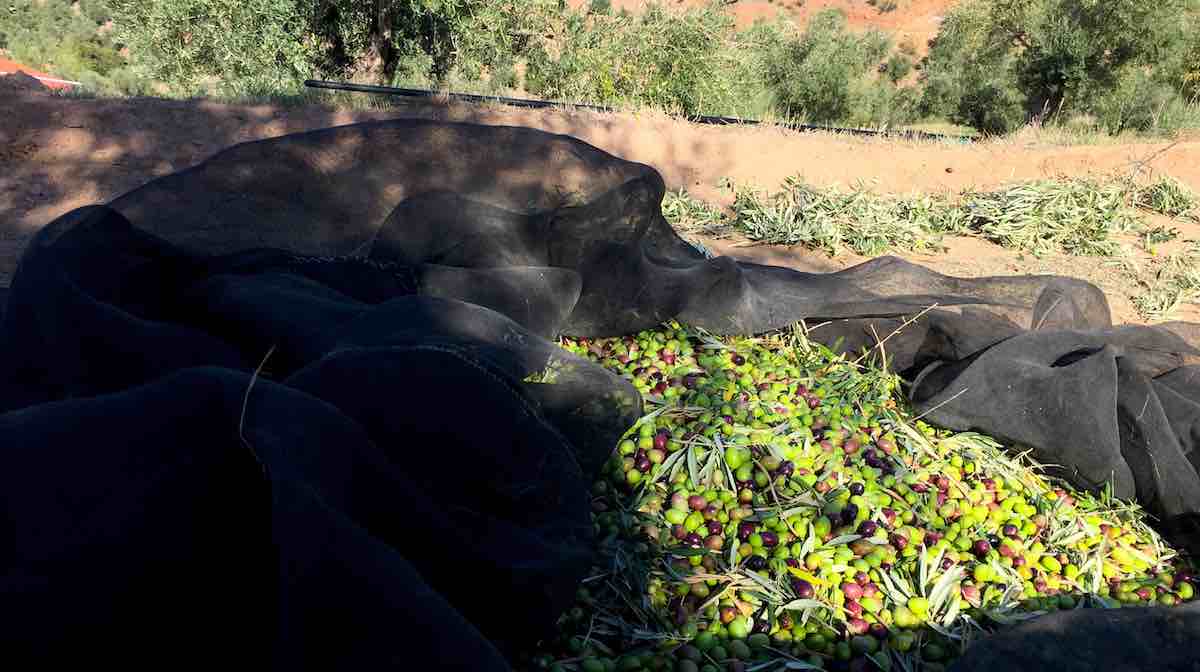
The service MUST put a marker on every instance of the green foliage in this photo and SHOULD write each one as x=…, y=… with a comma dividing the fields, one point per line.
x=389, y=37
x=69, y=39
x=254, y=46
x=1170, y=283
x=813, y=75
x=996, y=65
x=1168, y=196
x=692, y=62
x=1189, y=78
x=231, y=46
x=969, y=74
x=1074, y=216
x=880, y=103
x=898, y=66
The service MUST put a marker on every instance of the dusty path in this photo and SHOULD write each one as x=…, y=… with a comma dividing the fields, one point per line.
x=60, y=153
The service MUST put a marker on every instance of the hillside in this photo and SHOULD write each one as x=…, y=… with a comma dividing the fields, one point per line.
x=913, y=20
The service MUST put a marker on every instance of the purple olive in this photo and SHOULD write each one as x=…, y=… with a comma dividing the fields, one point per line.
x=711, y=512
x=889, y=517
x=849, y=514
x=870, y=590
x=943, y=483
x=947, y=563
x=885, y=445
x=850, y=447
x=679, y=532
x=853, y=608
x=697, y=502
x=814, y=402
x=714, y=527
x=770, y=539
x=745, y=529
x=857, y=489
x=851, y=590
x=981, y=547
x=661, y=438
x=690, y=381
x=1006, y=550
x=786, y=469
x=737, y=359
x=861, y=578
x=694, y=540
x=867, y=528
x=714, y=542
x=803, y=589
x=857, y=626
x=643, y=465
x=971, y=594
x=899, y=541
x=1011, y=531
x=667, y=356
x=756, y=563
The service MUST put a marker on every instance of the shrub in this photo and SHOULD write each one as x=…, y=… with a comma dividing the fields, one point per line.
x=813, y=75
x=693, y=62
x=66, y=38
x=969, y=74
x=995, y=65
x=236, y=46
x=880, y=103
x=898, y=66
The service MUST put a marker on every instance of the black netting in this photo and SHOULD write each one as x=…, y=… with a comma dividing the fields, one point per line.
x=1083, y=640
x=411, y=463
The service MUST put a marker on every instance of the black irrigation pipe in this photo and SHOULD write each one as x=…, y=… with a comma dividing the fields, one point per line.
x=542, y=104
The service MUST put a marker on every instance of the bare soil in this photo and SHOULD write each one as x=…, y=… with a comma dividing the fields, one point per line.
x=59, y=153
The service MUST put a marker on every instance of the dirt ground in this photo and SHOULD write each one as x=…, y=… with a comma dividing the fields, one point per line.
x=60, y=153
